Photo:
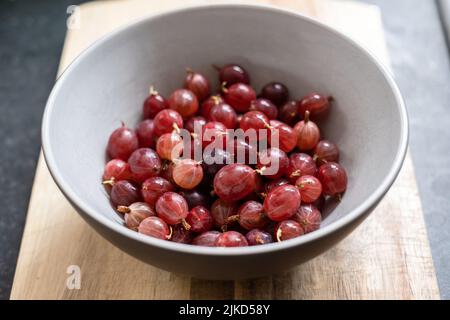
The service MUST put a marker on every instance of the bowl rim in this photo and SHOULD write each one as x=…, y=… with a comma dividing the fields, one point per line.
x=351, y=216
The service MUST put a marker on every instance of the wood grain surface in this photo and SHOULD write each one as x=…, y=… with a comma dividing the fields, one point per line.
x=383, y=259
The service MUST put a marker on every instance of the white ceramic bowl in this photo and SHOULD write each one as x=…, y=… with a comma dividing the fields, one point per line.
x=108, y=82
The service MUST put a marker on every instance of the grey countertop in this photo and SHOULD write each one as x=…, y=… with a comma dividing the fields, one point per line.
x=31, y=39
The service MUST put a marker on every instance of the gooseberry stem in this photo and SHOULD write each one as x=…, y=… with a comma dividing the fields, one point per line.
x=233, y=218
x=279, y=234
x=176, y=128
x=224, y=87
x=215, y=99
x=123, y=209
x=306, y=116
x=152, y=91
x=109, y=182
x=170, y=234
x=296, y=173
x=186, y=225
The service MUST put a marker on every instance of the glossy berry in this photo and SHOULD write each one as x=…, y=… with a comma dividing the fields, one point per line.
x=276, y=92
x=251, y=215
x=221, y=211
x=225, y=114
x=144, y=164
x=196, y=198
x=234, y=182
x=239, y=96
x=181, y=234
x=213, y=131
x=326, y=151
x=209, y=103
x=309, y=217
x=272, y=184
x=233, y=73
x=257, y=121
x=191, y=123
x=308, y=134
x=166, y=120
x=214, y=161
x=135, y=213
x=184, y=102
x=231, y=239
x=124, y=193
x=169, y=146
x=154, y=104
x=187, y=173
x=310, y=188
x=167, y=172
x=145, y=131
x=318, y=106
x=206, y=239
x=273, y=163
x=172, y=208
x=288, y=229
x=333, y=178
x=265, y=106
x=282, y=202
x=155, y=227
x=200, y=219
x=122, y=142
x=153, y=188
x=257, y=237
x=282, y=136
x=300, y=164
x=116, y=170
x=198, y=84
x=289, y=114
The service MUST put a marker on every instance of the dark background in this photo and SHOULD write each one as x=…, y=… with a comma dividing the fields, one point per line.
x=31, y=39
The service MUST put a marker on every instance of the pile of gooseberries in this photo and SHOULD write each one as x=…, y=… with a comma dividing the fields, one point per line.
x=162, y=190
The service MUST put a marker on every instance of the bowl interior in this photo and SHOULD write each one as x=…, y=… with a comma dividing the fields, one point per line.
x=109, y=82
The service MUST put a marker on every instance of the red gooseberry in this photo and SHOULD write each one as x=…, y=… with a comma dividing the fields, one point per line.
x=155, y=227
x=122, y=142
x=308, y=134
x=282, y=202
x=309, y=217
x=197, y=83
x=239, y=96
x=172, y=208
x=231, y=239
x=166, y=121
x=154, y=104
x=310, y=188
x=153, y=188
x=288, y=229
x=144, y=164
x=234, y=182
x=184, y=102
x=333, y=178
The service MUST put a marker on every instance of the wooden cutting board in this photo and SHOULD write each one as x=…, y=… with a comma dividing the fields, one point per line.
x=387, y=257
